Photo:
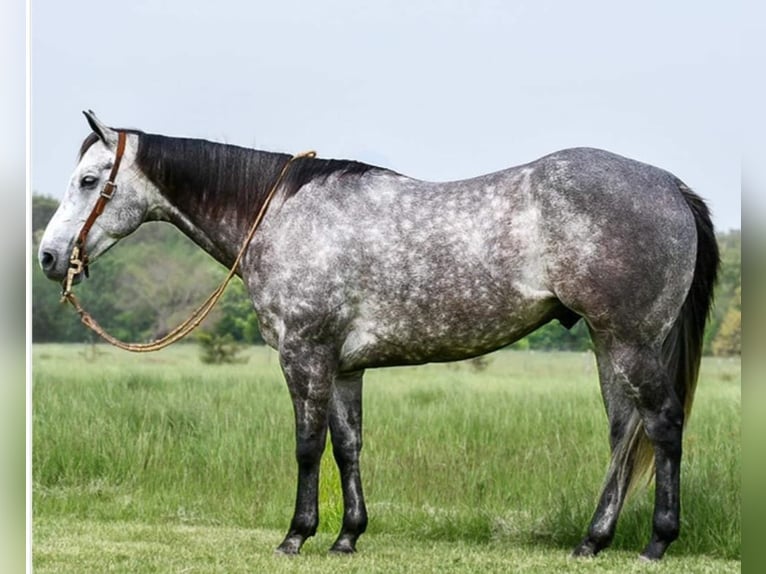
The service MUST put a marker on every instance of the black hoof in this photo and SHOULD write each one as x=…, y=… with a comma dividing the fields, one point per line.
x=280, y=551
x=586, y=549
x=291, y=546
x=653, y=552
x=344, y=546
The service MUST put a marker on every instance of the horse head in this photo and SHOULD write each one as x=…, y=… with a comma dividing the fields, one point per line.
x=125, y=201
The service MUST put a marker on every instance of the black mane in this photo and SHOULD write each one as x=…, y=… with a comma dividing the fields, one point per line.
x=215, y=176
x=211, y=177
x=306, y=170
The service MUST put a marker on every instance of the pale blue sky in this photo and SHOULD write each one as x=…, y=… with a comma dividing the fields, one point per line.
x=436, y=90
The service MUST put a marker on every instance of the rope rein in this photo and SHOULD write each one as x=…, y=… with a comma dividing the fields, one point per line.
x=198, y=315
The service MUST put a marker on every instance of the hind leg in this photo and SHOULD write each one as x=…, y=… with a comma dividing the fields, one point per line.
x=638, y=370
x=663, y=415
x=622, y=417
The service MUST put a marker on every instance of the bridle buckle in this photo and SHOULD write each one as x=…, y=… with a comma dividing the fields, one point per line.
x=109, y=188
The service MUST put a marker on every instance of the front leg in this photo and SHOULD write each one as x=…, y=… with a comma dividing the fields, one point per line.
x=346, y=434
x=309, y=372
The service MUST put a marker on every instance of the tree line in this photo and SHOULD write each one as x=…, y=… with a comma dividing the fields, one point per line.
x=153, y=279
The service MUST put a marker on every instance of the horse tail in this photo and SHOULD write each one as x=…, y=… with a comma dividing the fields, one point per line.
x=682, y=348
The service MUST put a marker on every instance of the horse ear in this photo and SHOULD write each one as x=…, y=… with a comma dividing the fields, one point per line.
x=104, y=132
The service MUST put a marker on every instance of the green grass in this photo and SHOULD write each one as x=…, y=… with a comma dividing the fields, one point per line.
x=71, y=545
x=161, y=463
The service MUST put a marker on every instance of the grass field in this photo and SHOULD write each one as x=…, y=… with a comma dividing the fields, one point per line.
x=159, y=463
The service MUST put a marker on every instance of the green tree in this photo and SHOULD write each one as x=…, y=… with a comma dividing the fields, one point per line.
x=219, y=349
x=728, y=340
x=159, y=283
x=554, y=336
x=43, y=208
x=237, y=316
x=51, y=321
x=730, y=247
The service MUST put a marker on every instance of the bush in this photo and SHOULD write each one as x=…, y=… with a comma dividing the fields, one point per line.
x=219, y=349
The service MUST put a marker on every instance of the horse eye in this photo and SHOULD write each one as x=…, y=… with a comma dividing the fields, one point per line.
x=88, y=181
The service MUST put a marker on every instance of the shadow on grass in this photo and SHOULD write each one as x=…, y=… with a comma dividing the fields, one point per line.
x=706, y=530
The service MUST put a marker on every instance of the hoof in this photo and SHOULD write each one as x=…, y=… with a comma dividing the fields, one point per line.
x=291, y=546
x=343, y=546
x=654, y=551
x=586, y=549
x=279, y=551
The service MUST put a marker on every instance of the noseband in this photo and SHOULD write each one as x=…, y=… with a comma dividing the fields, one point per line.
x=78, y=260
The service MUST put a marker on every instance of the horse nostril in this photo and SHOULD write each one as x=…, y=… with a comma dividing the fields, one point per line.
x=47, y=260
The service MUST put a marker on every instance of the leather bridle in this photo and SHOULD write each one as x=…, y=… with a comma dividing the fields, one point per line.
x=78, y=260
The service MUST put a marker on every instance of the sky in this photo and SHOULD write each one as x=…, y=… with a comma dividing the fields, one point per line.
x=435, y=90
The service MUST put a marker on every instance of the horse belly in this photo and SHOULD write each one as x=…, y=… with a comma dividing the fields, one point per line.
x=398, y=334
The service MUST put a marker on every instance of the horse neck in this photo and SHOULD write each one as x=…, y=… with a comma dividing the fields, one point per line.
x=213, y=191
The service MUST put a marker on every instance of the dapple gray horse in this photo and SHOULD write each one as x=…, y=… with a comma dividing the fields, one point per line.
x=355, y=267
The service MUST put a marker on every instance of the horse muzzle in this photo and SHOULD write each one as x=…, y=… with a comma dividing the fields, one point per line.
x=56, y=266
x=51, y=264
